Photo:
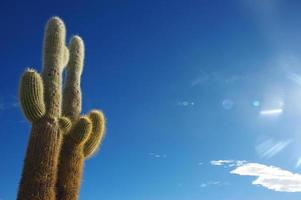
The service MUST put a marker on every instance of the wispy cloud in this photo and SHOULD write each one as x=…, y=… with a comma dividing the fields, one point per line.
x=213, y=183
x=216, y=77
x=8, y=105
x=294, y=77
x=270, y=148
x=185, y=103
x=203, y=77
x=298, y=164
x=155, y=155
x=220, y=162
x=8, y=102
x=228, y=163
x=271, y=177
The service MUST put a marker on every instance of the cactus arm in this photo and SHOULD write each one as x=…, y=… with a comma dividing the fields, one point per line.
x=97, y=134
x=72, y=97
x=65, y=124
x=53, y=63
x=81, y=131
x=31, y=95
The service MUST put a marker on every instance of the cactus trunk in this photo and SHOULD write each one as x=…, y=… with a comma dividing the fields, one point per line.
x=40, y=165
x=70, y=171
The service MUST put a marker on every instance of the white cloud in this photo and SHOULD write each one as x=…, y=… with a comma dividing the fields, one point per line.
x=221, y=162
x=269, y=148
x=271, y=177
x=228, y=163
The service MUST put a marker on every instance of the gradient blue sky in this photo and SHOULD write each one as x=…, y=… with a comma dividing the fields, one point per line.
x=183, y=84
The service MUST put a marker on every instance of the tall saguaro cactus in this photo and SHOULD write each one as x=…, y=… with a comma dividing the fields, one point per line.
x=86, y=134
x=60, y=138
x=41, y=103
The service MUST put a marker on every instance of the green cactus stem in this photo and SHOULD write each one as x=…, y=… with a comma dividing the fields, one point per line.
x=65, y=124
x=72, y=100
x=97, y=135
x=32, y=95
x=81, y=131
x=53, y=65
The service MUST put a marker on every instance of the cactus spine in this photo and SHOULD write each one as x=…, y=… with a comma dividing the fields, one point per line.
x=60, y=138
x=86, y=131
x=40, y=102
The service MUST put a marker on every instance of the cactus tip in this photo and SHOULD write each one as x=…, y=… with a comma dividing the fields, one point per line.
x=77, y=43
x=55, y=20
x=30, y=70
x=97, y=114
x=55, y=24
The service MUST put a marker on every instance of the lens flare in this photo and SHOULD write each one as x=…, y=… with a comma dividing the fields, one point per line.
x=271, y=112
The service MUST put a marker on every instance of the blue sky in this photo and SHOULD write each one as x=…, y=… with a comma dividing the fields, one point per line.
x=202, y=97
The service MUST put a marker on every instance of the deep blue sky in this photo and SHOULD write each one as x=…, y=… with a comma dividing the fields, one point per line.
x=182, y=83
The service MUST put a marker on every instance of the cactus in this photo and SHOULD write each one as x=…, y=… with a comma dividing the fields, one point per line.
x=85, y=135
x=98, y=129
x=40, y=100
x=32, y=95
x=60, y=138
